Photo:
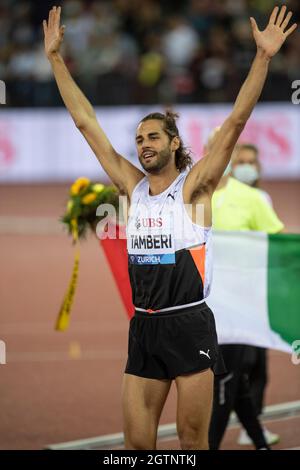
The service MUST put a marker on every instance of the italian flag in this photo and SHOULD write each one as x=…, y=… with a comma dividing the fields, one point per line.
x=255, y=292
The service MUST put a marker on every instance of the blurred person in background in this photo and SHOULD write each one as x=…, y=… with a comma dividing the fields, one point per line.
x=157, y=354
x=236, y=206
x=218, y=50
x=246, y=167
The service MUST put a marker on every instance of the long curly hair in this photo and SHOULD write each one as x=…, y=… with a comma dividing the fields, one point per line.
x=183, y=157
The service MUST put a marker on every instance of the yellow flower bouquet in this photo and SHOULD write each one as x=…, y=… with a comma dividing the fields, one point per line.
x=80, y=216
x=84, y=199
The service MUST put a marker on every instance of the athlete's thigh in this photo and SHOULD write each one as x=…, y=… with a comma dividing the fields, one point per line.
x=143, y=400
x=195, y=396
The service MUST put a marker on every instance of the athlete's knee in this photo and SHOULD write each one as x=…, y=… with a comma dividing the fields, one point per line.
x=189, y=441
x=139, y=441
x=193, y=436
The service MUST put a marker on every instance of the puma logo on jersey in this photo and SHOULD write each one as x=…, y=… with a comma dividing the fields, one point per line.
x=205, y=353
x=172, y=195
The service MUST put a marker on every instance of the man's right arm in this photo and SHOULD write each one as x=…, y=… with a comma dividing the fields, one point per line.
x=123, y=174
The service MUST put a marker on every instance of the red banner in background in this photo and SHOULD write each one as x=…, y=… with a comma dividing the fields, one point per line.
x=116, y=254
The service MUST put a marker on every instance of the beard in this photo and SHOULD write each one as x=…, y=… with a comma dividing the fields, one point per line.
x=158, y=162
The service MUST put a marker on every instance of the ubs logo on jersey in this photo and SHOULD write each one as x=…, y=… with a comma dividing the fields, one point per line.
x=148, y=222
x=137, y=223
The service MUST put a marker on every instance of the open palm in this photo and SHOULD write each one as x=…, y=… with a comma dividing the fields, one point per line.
x=53, y=32
x=271, y=39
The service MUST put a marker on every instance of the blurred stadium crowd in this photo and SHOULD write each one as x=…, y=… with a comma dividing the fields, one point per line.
x=142, y=51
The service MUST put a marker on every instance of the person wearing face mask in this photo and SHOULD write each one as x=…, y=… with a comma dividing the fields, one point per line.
x=237, y=206
x=246, y=168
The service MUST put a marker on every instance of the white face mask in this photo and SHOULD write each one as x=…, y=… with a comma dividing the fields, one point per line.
x=246, y=173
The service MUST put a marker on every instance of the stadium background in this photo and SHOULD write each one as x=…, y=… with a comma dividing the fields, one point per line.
x=58, y=387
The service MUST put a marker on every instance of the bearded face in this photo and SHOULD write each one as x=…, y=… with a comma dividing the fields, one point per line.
x=153, y=145
x=155, y=161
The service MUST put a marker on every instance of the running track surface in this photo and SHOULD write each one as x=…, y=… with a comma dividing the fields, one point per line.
x=59, y=387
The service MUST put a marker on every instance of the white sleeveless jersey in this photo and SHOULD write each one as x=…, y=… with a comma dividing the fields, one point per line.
x=169, y=257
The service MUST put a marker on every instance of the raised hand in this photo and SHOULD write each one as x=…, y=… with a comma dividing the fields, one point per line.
x=53, y=32
x=271, y=39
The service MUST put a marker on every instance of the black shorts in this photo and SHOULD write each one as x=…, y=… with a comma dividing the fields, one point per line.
x=166, y=345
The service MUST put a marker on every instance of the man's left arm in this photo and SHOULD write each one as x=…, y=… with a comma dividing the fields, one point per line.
x=206, y=174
